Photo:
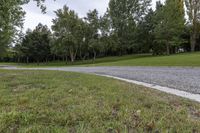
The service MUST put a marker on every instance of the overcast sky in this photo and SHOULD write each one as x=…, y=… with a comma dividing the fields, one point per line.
x=34, y=15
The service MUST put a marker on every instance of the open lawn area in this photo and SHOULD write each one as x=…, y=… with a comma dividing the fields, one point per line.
x=185, y=59
x=52, y=101
x=79, y=63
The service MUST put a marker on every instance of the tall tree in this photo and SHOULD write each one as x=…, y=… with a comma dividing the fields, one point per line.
x=106, y=40
x=67, y=29
x=92, y=20
x=144, y=33
x=171, y=24
x=193, y=11
x=35, y=44
x=125, y=15
x=11, y=20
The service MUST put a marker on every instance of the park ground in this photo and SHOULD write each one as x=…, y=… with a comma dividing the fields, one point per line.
x=183, y=59
x=54, y=101
x=44, y=101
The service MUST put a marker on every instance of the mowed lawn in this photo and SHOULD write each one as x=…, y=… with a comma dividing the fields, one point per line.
x=184, y=59
x=78, y=62
x=52, y=101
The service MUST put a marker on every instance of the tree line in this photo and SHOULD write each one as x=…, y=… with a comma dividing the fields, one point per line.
x=127, y=27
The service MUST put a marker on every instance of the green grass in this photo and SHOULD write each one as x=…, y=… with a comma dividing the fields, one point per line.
x=185, y=59
x=52, y=101
x=79, y=63
x=7, y=63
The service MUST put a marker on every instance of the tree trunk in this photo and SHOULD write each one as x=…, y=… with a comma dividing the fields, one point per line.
x=27, y=59
x=75, y=54
x=72, y=59
x=193, y=42
x=194, y=32
x=66, y=59
x=54, y=57
x=63, y=58
x=176, y=50
x=84, y=57
x=46, y=60
x=18, y=59
x=38, y=63
x=71, y=55
x=94, y=58
x=81, y=56
x=168, y=48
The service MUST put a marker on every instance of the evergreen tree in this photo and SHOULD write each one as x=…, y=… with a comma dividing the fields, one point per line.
x=35, y=45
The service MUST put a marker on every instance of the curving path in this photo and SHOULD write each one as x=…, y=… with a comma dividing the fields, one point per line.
x=180, y=78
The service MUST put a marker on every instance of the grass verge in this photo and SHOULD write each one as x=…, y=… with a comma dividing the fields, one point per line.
x=51, y=101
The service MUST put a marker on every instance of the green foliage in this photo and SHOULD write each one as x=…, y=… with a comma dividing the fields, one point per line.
x=128, y=27
x=93, y=23
x=107, y=40
x=124, y=17
x=11, y=21
x=68, y=31
x=193, y=12
x=11, y=16
x=35, y=45
x=170, y=24
x=144, y=33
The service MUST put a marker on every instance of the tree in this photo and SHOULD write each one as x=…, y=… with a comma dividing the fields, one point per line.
x=106, y=35
x=171, y=24
x=56, y=49
x=92, y=20
x=35, y=44
x=193, y=11
x=81, y=35
x=67, y=29
x=125, y=14
x=144, y=33
x=11, y=16
x=43, y=46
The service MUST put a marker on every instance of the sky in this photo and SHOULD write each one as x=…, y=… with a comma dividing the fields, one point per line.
x=34, y=16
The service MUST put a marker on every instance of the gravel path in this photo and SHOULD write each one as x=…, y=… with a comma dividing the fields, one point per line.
x=187, y=79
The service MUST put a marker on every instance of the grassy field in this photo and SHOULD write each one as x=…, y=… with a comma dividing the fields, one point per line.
x=185, y=59
x=79, y=63
x=51, y=101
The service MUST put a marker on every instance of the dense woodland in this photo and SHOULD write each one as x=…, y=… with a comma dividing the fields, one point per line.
x=127, y=27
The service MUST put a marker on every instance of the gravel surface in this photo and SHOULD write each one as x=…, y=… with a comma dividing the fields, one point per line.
x=187, y=79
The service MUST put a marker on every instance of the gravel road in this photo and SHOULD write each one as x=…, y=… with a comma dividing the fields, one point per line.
x=187, y=79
